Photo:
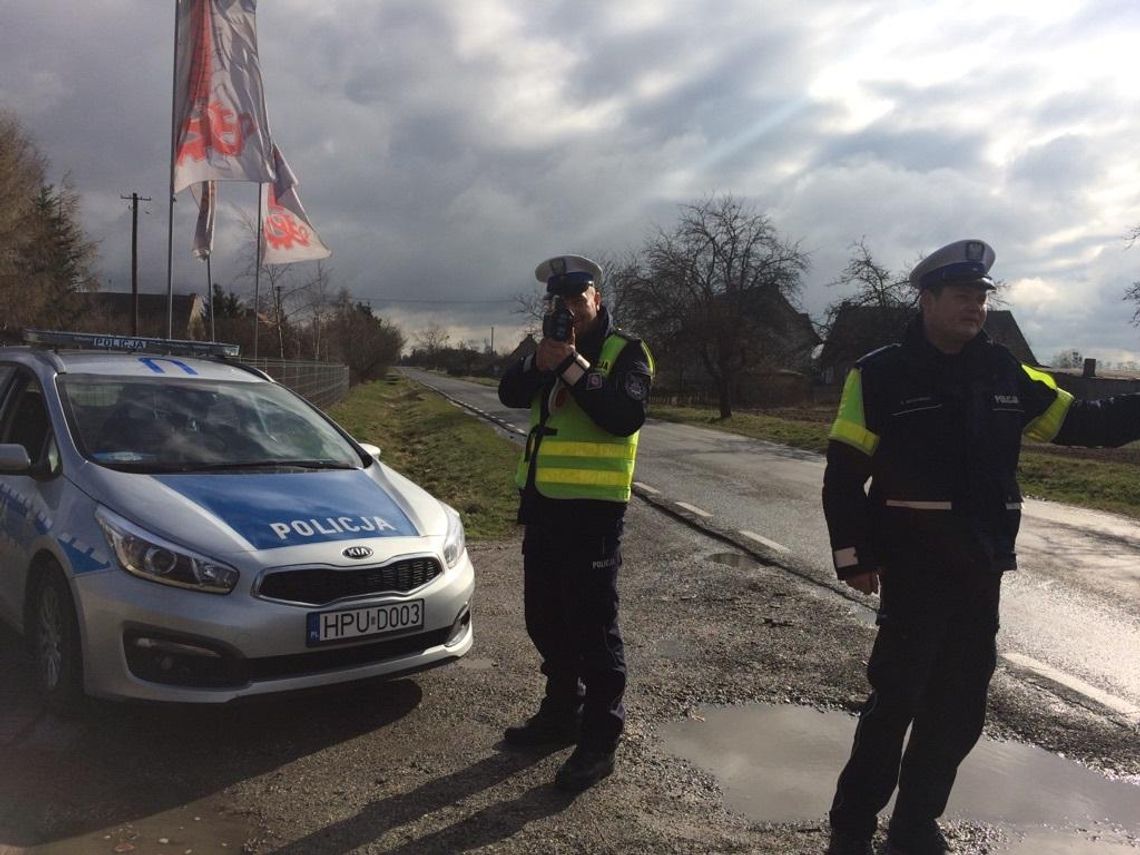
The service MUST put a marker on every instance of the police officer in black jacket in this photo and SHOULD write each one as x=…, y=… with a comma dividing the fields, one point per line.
x=587, y=387
x=936, y=423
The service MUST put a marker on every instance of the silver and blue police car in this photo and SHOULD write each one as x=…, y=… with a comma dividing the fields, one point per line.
x=181, y=527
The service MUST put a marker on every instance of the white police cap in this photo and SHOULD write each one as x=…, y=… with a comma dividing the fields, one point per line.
x=964, y=262
x=568, y=274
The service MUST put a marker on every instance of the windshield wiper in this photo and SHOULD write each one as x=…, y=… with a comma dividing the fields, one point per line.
x=270, y=464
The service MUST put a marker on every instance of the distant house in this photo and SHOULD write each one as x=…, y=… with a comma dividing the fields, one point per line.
x=858, y=330
x=1091, y=382
x=778, y=370
x=111, y=312
x=525, y=348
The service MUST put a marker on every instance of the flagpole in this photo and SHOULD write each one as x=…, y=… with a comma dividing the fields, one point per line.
x=257, y=273
x=170, y=204
x=210, y=297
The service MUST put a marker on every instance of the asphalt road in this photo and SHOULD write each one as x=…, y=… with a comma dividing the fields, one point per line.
x=1070, y=616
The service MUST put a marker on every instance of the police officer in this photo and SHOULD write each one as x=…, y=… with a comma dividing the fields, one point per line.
x=587, y=387
x=935, y=422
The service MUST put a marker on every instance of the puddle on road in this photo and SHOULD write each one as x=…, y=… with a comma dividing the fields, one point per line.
x=1058, y=843
x=779, y=764
x=198, y=827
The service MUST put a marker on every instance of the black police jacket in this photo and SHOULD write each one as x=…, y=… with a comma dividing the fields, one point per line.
x=939, y=437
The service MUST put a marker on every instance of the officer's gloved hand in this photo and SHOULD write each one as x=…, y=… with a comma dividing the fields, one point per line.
x=552, y=353
x=867, y=583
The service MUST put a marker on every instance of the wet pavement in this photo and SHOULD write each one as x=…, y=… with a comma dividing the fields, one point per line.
x=778, y=763
x=198, y=827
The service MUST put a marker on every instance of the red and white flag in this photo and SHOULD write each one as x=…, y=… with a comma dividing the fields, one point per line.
x=286, y=233
x=221, y=125
x=206, y=195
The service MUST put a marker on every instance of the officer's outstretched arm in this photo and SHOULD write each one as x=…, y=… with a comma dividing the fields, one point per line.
x=1109, y=422
x=1057, y=417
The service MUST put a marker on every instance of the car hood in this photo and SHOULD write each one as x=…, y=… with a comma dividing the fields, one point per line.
x=238, y=512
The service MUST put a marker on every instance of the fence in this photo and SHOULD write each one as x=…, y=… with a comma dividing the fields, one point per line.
x=321, y=383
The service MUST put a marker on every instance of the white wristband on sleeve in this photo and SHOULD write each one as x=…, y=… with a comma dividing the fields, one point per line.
x=846, y=557
x=573, y=372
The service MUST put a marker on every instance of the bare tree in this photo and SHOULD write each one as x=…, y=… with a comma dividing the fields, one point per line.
x=432, y=339
x=1132, y=292
x=1068, y=359
x=713, y=282
x=874, y=284
x=531, y=305
x=621, y=274
x=319, y=306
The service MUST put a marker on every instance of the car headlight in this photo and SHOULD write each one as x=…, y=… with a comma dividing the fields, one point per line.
x=150, y=557
x=456, y=540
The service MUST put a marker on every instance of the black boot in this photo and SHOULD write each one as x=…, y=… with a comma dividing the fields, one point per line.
x=585, y=768
x=922, y=837
x=544, y=729
x=847, y=843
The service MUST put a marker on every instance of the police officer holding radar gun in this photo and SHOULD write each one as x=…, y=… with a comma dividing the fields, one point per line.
x=587, y=387
x=935, y=422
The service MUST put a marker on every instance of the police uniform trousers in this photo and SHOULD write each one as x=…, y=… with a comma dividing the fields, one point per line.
x=929, y=670
x=570, y=597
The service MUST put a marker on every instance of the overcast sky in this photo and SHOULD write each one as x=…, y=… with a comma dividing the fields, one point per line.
x=445, y=147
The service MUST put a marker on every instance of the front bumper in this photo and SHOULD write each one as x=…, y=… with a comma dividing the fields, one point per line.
x=185, y=646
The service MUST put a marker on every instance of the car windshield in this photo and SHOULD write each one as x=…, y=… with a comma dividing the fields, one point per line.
x=163, y=425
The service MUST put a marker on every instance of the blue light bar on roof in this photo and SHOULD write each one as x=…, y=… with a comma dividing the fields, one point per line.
x=100, y=341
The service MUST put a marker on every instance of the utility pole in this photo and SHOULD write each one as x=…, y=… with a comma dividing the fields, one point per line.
x=134, y=197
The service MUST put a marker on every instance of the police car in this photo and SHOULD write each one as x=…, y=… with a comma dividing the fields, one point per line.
x=176, y=526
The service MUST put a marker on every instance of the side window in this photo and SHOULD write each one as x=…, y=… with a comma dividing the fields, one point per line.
x=25, y=420
x=7, y=372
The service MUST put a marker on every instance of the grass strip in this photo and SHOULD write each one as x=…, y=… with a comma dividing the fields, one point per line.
x=1106, y=485
x=442, y=448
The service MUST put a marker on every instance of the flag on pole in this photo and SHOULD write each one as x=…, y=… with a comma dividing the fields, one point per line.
x=205, y=194
x=221, y=125
x=286, y=233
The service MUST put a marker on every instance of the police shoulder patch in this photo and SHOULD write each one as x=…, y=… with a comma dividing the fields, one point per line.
x=636, y=386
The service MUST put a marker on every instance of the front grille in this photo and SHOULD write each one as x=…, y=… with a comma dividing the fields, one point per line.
x=319, y=586
x=228, y=670
x=300, y=664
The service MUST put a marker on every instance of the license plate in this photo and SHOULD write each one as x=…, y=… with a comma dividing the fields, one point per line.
x=351, y=624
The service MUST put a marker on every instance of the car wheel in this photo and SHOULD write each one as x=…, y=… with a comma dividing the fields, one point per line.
x=55, y=641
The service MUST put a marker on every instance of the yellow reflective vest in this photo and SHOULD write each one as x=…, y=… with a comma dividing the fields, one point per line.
x=573, y=458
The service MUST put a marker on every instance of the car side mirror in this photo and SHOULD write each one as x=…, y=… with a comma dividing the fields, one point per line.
x=14, y=459
x=372, y=450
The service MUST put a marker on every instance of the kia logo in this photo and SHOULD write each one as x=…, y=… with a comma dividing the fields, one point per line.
x=357, y=552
